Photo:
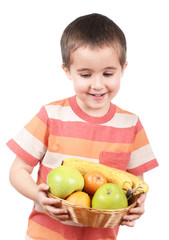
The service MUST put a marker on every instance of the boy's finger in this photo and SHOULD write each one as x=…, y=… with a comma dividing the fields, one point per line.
x=56, y=211
x=52, y=201
x=141, y=199
x=137, y=210
x=131, y=217
x=128, y=223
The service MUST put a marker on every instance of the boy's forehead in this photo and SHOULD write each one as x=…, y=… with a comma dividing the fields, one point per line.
x=96, y=49
x=101, y=55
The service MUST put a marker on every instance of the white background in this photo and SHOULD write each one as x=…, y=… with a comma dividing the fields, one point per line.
x=31, y=75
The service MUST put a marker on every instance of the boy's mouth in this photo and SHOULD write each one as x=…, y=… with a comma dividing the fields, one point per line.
x=97, y=95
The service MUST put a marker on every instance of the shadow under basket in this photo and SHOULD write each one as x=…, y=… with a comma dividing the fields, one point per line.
x=98, y=218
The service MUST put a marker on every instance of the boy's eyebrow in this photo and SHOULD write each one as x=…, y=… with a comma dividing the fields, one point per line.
x=110, y=68
x=83, y=69
x=88, y=69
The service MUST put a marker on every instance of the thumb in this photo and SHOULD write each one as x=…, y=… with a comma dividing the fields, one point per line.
x=43, y=187
x=141, y=199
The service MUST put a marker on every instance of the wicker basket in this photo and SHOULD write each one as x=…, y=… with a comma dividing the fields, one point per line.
x=95, y=217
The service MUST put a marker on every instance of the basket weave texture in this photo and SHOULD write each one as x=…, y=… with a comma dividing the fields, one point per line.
x=97, y=218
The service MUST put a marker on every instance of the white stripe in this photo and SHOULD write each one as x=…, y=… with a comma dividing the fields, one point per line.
x=62, y=113
x=30, y=144
x=53, y=160
x=38, y=207
x=122, y=120
x=141, y=156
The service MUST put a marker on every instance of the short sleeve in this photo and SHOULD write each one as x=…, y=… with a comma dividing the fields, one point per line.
x=30, y=144
x=142, y=157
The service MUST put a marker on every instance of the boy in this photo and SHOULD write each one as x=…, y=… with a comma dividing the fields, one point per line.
x=86, y=126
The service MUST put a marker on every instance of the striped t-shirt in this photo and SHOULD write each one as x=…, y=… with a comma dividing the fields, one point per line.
x=61, y=130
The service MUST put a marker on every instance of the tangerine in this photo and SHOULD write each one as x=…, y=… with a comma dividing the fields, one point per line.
x=79, y=198
x=93, y=180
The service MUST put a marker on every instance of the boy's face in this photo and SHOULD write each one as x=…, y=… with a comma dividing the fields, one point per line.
x=96, y=75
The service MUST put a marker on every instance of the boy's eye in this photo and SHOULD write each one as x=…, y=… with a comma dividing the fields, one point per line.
x=85, y=75
x=107, y=74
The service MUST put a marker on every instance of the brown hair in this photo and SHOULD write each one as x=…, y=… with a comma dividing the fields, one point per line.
x=93, y=30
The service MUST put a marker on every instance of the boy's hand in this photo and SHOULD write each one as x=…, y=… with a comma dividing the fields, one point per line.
x=51, y=206
x=135, y=213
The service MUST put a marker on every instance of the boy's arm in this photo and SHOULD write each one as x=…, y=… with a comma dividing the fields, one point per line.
x=21, y=180
x=135, y=213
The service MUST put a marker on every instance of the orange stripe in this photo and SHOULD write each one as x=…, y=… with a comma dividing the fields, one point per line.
x=37, y=231
x=38, y=129
x=140, y=140
x=84, y=148
x=64, y=102
x=119, y=110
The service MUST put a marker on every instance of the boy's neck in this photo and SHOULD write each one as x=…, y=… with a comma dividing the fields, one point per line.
x=93, y=113
x=90, y=118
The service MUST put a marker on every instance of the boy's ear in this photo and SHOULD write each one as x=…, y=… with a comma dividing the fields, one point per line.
x=66, y=70
x=124, y=67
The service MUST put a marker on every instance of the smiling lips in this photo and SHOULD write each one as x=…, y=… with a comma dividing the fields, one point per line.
x=97, y=95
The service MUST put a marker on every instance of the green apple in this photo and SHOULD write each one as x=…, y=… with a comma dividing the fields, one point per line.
x=63, y=180
x=109, y=196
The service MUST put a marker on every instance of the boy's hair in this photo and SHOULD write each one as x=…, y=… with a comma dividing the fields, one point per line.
x=93, y=30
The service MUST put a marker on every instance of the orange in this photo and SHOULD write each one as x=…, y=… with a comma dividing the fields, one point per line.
x=93, y=180
x=79, y=198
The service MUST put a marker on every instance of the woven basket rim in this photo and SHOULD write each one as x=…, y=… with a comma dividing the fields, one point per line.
x=106, y=211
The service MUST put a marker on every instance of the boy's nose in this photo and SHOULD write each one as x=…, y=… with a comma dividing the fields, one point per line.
x=97, y=83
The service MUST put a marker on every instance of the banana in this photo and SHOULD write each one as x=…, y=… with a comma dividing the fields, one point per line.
x=139, y=186
x=127, y=181
x=112, y=175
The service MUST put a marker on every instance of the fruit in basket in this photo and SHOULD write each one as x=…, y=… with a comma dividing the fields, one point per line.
x=109, y=196
x=112, y=175
x=93, y=180
x=124, y=179
x=79, y=198
x=64, y=180
x=139, y=186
